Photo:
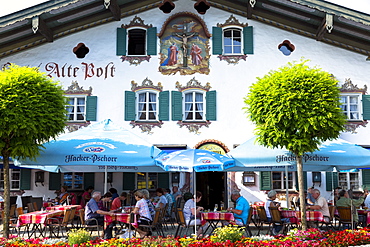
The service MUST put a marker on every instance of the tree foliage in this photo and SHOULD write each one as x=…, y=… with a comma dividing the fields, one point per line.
x=32, y=110
x=295, y=107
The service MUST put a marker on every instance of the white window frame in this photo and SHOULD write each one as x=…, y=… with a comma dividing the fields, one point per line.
x=73, y=181
x=147, y=180
x=145, y=43
x=13, y=181
x=147, y=111
x=194, y=102
x=232, y=45
x=282, y=186
x=346, y=183
x=75, y=97
x=348, y=104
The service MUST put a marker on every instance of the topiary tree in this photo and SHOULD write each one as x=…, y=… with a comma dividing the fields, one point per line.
x=297, y=108
x=32, y=110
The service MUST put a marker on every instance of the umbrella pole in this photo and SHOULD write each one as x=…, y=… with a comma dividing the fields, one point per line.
x=286, y=186
x=105, y=179
x=195, y=199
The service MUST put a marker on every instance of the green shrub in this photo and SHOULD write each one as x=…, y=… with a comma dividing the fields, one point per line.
x=78, y=236
x=231, y=233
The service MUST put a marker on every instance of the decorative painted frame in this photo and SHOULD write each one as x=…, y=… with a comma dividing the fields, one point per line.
x=188, y=31
x=136, y=60
x=146, y=126
x=74, y=88
x=232, y=59
x=349, y=87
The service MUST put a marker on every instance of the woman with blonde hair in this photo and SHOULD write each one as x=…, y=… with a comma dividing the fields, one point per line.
x=142, y=209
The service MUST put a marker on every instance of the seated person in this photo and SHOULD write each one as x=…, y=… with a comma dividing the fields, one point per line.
x=114, y=193
x=62, y=198
x=148, y=201
x=162, y=198
x=92, y=211
x=103, y=204
x=241, y=210
x=192, y=212
x=142, y=209
x=271, y=197
x=345, y=201
x=118, y=201
x=320, y=205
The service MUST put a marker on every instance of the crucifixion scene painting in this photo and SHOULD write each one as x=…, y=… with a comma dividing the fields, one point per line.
x=184, y=46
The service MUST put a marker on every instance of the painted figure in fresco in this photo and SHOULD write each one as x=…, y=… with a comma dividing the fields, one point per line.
x=184, y=37
x=195, y=52
x=172, y=56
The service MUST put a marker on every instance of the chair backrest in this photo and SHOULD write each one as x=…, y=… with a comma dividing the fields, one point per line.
x=345, y=214
x=30, y=207
x=275, y=214
x=262, y=213
x=332, y=212
x=178, y=202
x=181, y=217
x=13, y=207
x=72, y=215
x=35, y=206
x=19, y=211
x=82, y=216
x=39, y=202
x=250, y=215
x=67, y=215
x=25, y=200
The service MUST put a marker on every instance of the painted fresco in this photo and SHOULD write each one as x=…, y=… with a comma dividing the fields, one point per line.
x=184, y=46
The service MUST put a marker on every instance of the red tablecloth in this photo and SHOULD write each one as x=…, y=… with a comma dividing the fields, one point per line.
x=311, y=216
x=125, y=218
x=291, y=214
x=38, y=217
x=216, y=216
x=365, y=212
x=52, y=208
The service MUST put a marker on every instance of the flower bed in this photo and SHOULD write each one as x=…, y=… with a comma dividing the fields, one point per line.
x=312, y=237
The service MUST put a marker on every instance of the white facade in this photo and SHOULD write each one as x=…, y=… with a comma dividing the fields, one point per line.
x=231, y=82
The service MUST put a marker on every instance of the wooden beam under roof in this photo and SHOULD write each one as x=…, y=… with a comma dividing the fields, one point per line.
x=321, y=30
x=43, y=29
x=115, y=10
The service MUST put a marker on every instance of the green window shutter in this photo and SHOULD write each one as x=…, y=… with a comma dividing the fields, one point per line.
x=216, y=40
x=265, y=181
x=176, y=105
x=163, y=180
x=128, y=181
x=89, y=179
x=304, y=181
x=121, y=41
x=248, y=40
x=25, y=179
x=151, y=41
x=130, y=111
x=55, y=181
x=365, y=178
x=164, y=106
x=331, y=180
x=211, y=105
x=91, y=105
x=366, y=107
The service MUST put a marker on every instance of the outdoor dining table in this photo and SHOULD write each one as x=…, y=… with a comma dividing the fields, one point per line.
x=315, y=216
x=38, y=219
x=120, y=217
x=60, y=207
x=366, y=213
x=213, y=218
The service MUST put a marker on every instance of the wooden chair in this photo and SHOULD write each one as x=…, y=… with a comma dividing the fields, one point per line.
x=12, y=211
x=19, y=211
x=92, y=227
x=30, y=207
x=345, y=217
x=35, y=206
x=56, y=225
x=12, y=224
x=72, y=217
x=246, y=226
x=155, y=224
x=262, y=219
x=329, y=225
x=181, y=223
x=276, y=219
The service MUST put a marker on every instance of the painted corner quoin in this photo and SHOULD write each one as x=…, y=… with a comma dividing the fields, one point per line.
x=184, y=45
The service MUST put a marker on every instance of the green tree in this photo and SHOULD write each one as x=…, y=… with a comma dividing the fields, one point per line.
x=297, y=108
x=32, y=111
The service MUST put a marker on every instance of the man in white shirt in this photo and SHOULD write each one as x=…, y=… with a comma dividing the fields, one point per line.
x=367, y=201
x=320, y=204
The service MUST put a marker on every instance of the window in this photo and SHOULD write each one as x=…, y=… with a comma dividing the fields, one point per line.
x=194, y=110
x=76, y=108
x=15, y=179
x=74, y=180
x=147, y=106
x=351, y=106
x=147, y=180
x=232, y=41
x=136, y=42
x=278, y=180
x=349, y=180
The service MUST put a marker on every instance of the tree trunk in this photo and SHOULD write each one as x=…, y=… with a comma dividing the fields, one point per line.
x=302, y=199
x=6, y=219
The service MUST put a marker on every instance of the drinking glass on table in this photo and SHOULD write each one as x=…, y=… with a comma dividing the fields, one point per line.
x=216, y=207
x=222, y=207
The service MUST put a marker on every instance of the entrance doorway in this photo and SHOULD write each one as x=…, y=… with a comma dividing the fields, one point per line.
x=213, y=187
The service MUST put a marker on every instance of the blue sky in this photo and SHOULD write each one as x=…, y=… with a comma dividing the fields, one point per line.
x=15, y=5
